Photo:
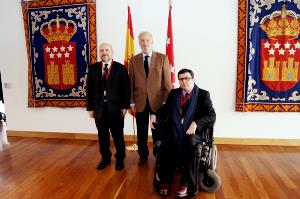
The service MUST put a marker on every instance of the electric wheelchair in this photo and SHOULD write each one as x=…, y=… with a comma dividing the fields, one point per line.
x=205, y=154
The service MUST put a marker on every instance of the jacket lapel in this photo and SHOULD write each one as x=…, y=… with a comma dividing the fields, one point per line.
x=99, y=71
x=140, y=64
x=111, y=72
x=99, y=80
x=152, y=64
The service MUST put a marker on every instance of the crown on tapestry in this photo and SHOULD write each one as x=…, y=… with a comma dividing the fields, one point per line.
x=281, y=23
x=58, y=29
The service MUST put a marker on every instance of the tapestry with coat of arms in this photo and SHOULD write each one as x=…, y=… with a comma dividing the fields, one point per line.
x=61, y=43
x=268, y=70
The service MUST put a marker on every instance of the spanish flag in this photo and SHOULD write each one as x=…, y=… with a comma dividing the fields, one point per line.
x=129, y=49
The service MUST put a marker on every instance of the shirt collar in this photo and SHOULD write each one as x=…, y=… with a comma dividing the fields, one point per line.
x=149, y=54
x=185, y=92
x=109, y=64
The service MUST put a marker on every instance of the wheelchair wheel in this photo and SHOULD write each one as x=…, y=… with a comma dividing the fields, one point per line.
x=210, y=182
x=213, y=157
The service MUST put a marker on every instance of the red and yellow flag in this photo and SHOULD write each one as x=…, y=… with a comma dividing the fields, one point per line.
x=129, y=49
x=169, y=45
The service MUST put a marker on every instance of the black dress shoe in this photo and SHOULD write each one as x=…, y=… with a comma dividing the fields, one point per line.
x=102, y=164
x=143, y=161
x=119, y=165
x=164, y=189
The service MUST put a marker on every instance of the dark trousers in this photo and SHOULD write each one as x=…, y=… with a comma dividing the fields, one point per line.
x=188, y=158
x=142, y=123
x=113, y=121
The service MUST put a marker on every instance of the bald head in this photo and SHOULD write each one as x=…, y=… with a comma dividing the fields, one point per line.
x=105, y=52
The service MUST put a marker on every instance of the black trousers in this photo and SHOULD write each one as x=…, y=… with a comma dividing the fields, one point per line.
x=142, y=123
x=112, y=121
x=187, y=157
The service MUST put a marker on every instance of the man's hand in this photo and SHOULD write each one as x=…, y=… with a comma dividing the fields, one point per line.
x=91, y=114
x=152, y=119
x=123, y=112
x=192, y=129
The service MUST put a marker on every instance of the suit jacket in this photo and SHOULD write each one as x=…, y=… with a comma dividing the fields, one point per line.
x=118, y=89
x=156, y=87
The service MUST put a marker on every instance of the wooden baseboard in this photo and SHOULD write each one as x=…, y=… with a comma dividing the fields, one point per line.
x=130, y=138
x=258, y=141
x=39, y=134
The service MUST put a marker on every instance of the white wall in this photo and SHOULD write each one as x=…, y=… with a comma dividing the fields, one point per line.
x=205, y=34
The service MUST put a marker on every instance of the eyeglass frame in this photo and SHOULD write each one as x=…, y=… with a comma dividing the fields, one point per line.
x=185, y=78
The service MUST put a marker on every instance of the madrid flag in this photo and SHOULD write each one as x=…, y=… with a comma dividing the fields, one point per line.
x=169, y=46
x=129, y=49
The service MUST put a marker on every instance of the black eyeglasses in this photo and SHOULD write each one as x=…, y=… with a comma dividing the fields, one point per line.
x=185, y=79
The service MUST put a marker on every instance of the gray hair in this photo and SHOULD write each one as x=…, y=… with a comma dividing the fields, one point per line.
x=145, y=33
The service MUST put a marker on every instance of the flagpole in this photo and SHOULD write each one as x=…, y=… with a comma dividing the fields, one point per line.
x=134, y=146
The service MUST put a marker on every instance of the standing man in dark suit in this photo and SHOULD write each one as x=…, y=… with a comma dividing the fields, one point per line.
x=150, y=82
x=191, y=111
x=108, y=96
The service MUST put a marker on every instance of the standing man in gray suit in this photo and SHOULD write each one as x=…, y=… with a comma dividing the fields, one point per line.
x=150, y=82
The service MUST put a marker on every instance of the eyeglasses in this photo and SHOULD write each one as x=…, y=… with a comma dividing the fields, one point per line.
x=185, y=79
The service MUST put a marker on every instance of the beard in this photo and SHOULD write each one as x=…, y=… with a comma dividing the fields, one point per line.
x=105, y=58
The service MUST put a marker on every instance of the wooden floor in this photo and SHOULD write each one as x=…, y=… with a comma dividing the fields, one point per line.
x=56, y=168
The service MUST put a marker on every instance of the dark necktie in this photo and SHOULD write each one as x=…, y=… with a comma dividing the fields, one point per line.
x=146, y=65
x=184, y=102
x=105, y=79
x=105, y=69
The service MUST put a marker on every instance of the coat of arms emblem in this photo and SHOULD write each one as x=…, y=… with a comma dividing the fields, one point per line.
x=59, y=53
x=280, y=53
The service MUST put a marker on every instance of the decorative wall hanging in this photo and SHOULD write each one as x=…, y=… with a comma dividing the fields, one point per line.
x=268, y=70
x=61, y=43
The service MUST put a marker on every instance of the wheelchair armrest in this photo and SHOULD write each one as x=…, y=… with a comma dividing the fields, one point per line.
x=157, y=144
x=207, y=134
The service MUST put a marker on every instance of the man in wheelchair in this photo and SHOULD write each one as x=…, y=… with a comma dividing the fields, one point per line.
x=181, y=125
